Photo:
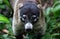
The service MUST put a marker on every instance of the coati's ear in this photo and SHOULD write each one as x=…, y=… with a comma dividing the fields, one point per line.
x=39, y=6
x=20, y=5
x=42, y=7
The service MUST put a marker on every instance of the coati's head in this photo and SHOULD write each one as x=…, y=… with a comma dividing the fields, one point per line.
x=29, y=14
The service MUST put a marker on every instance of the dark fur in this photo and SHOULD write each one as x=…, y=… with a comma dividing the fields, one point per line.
x=29, y=9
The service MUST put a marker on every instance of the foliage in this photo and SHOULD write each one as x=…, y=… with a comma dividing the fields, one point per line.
x=53, y=21
x=5, y=8
x=5, y=24
x=5, y=28
x=52, y=15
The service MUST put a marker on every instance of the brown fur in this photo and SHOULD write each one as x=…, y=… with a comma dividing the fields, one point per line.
x=17, y=24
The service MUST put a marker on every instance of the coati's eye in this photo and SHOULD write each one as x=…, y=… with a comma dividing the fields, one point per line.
x=23, y=17
x=34, y=16
x=35, y=19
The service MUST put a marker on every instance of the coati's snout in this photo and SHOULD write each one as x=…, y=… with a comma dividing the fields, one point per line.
x=28, y=26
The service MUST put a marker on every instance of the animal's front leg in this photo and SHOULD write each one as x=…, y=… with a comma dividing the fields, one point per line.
x=17, y=32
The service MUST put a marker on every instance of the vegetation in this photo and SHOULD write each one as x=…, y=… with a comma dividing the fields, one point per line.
x=53, y=21
x=52, y=15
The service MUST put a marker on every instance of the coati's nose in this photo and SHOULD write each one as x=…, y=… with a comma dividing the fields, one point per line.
x=28, y=26
x=28, y=30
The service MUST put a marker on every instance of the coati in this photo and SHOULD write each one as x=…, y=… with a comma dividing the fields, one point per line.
x=27, y=16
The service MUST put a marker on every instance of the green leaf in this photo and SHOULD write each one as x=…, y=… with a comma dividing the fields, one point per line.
x=47, y=36
x=55, y=35
x=4, y=19
x=2, y=6
x=56, y=9
x=1, y=1
x=7, y=3
x=56, y=3
x=48, y=10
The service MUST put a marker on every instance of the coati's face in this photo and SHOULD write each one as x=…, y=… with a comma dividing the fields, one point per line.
x=29, y=15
